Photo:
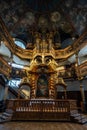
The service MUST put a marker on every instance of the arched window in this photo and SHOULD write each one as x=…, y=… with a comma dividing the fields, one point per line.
x=20, y=43
x=14, y=82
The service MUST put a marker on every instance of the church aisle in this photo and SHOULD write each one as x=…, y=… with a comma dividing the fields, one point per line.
x=42, y=126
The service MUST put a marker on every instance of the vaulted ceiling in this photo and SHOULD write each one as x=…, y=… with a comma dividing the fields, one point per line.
x=66, y=17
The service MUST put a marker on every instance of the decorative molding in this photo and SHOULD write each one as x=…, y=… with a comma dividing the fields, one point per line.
x=83, y=69
x=44, y=47
x=4, y=67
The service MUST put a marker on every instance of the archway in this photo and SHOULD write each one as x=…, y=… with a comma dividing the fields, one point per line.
x=25, y=90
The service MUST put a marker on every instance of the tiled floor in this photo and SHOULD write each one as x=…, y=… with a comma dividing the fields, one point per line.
x=41, y=126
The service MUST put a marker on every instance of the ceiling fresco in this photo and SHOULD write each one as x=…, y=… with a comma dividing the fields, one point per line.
x=66, y=18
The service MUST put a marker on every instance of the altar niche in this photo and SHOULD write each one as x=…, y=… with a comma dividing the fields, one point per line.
x=42, y=87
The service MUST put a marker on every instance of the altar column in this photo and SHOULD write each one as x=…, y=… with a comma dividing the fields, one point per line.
x=52, y=93
x=33, y=84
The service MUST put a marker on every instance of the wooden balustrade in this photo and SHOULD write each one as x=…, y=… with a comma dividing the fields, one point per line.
x=40, y=109
x=39, y=105
x=5, y=68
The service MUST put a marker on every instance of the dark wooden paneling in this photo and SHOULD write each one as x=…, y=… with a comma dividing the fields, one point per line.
x=75, y=95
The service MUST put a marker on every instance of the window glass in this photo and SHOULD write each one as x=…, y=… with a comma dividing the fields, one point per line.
x=14, y=83
x=20, y=43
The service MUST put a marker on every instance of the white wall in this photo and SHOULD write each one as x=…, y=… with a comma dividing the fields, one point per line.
x=2, y=92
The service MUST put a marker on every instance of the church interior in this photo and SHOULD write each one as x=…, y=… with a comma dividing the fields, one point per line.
x=43, y=62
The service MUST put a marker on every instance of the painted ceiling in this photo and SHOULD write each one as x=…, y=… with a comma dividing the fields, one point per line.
x=66, y=17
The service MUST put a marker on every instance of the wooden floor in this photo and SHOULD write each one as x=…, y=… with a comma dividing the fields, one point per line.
x=42, y=126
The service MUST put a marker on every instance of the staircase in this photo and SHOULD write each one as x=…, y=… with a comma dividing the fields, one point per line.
x=6, y=116
x=14, y=91
x=78, y=117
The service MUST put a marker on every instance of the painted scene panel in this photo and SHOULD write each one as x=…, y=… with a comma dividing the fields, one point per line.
x=42, y=87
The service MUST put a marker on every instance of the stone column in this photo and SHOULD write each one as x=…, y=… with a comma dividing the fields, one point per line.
x=83, y=104
x=81, y=86
x=82, y=92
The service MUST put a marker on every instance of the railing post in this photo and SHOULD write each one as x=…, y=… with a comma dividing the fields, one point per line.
x=65, y=92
